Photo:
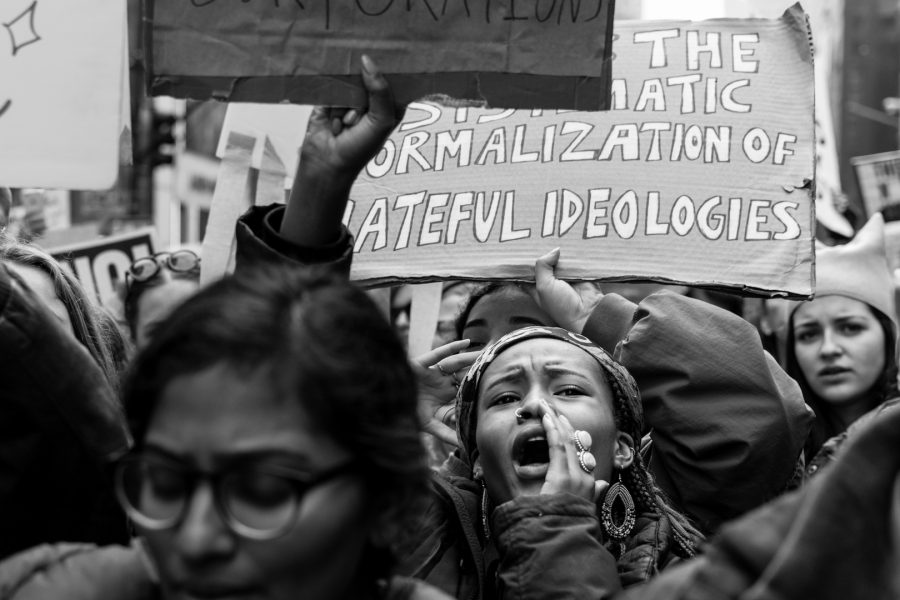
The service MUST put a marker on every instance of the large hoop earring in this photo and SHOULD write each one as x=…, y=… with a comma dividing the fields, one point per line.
x=608, y=513
x=485, y=508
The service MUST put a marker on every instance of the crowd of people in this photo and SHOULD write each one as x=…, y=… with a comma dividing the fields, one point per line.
x=265, y=435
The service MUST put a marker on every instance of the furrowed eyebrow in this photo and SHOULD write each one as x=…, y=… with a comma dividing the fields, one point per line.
x=554, y=370
x=513, y=375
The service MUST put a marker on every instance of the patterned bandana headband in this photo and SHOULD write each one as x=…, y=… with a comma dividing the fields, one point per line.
x=467, y=397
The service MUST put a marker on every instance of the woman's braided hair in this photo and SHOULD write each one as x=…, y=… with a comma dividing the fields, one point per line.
x=648, y=497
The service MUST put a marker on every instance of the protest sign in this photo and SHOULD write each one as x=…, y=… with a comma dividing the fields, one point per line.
x=879, y=183
x=699, y=174
x=510, y=53
x=61, y=98
x=101, y=264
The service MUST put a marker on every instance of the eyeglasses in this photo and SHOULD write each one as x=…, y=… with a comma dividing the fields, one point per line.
x=256, y=501
x=146, y=268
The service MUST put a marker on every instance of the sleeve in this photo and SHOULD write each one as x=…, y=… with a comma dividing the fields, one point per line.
x=833, y=539
x=727, y=422
x=443, y=550
x=259, y=240
x=550, y=548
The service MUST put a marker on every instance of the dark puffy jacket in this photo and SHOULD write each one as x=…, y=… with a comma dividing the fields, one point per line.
x=547, y=546
x=726, y=423
x=60, y=427
x=836, y=538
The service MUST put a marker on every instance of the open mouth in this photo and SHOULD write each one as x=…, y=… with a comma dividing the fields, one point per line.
x=530, y=453
x=534, y=451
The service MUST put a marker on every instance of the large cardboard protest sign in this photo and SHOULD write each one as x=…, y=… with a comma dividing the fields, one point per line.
x=61, y=92
x=100, y=265
x=511, y=53
x=701, y=173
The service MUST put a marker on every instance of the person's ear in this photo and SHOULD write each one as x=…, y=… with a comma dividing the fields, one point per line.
x=624, y=452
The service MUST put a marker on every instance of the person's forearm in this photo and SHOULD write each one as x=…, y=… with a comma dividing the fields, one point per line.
x=316, y=207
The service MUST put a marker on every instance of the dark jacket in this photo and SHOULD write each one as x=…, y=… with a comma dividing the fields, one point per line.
x=727, y=424
x=832, y=448
x=541, y=547
x=259, y=240
x=60, y=427
x=837, y=538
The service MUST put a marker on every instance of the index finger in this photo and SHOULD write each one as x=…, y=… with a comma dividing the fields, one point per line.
x=381, y=99
x=432, y=357
x=463, y=360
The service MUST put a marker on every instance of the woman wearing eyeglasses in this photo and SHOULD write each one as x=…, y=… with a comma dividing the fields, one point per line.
x=276, y=453
x=154, y=286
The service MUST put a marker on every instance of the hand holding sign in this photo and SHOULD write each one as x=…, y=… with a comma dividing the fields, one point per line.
x=338, y=144
x=568, y=306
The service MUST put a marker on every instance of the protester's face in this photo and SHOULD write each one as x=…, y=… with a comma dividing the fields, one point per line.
x=513, y=454
x=495, y=315
x=451, y=302
x=156, y=303
x=216, y=418
x=839, y=345
x=42, y=286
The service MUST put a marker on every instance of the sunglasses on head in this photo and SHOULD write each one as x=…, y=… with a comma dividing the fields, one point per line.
x=148, y=267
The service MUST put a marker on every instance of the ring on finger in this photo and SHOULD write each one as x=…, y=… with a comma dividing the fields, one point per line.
x=586, y=461
x=583, y=440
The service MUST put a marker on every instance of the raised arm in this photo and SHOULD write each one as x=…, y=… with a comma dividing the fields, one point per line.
x=338, y=144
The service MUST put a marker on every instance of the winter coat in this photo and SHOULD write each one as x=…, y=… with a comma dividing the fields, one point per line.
x=833, y=447
x=61, y=425
x=85, y=572
x=727, y=424
x=547, y=546
x=259, y=240
x=836, y=538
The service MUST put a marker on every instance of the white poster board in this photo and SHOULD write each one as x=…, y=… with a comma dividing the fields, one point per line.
x=61, y=92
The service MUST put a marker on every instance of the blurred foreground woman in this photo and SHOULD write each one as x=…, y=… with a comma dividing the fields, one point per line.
x=276, y=453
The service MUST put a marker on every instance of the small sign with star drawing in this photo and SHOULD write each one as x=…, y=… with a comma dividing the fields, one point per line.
x=62, y=80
